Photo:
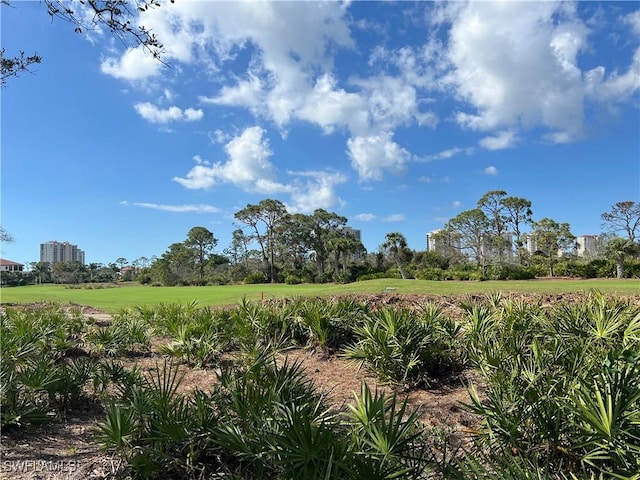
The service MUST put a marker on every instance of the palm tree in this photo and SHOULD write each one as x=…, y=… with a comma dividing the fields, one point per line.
x=93, y=268
x=41, y=271
x=395, y=244
x=618, y=249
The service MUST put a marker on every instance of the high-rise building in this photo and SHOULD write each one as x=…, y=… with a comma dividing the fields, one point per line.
x=442, y=243
x=497, y=247
x=587, y=245
x=350, y=232
x=60, y=252
x=532, y=245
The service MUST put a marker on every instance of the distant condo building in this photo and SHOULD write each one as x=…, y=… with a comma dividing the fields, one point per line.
x=491, y=247
x=587, y=246
x=442, y=243
x=532, y=245
x=350, y=232
x=60, y=252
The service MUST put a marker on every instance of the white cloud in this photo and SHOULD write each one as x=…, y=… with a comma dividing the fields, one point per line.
x=633, y=20
x=616, y=86
x=444, y=154
x=248, y=166
x=364, y=217
x=246, y=93
x=390, y=101
x=517, y=66
x=286, y=42
x=510, y=66
x=396, y=217
x=371, y=156
x=456, y=204
x=328, y=106
x=153, y=114
x=189, y=208
x=504, y=139
x=288, y=76
x=317, y=190
x=134, y=64
x=491, y=171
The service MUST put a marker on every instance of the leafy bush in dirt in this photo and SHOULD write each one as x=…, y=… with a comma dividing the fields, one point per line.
x=561, y=381
x=265, y=420
x=559, y=396
x=41, y=374
x=405, y=346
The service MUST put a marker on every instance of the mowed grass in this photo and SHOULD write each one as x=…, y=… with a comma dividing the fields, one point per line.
x=127, y=295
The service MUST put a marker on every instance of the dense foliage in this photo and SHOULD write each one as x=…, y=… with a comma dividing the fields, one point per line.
x=272, y=245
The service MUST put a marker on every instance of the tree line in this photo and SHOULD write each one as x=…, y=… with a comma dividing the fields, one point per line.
x=499, y=239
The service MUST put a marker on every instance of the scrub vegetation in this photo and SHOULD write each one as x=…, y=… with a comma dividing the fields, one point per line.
x=553, y=386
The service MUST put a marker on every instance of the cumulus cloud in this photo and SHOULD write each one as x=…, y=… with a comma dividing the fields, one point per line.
x=153, y=114
x=633, y=20
x=249, y=167
x=498, y=68
x=328, y=106
x=315, y=189
x=617, y=85
x=534, y=80
x=287, y=46
x=371, y=156
x=134, y=64
x=491, y=171
x=504, y=139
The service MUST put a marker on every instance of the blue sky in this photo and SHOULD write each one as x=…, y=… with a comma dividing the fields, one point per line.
x=396, y=115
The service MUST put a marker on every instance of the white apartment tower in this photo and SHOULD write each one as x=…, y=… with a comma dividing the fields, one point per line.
x=60, y=252
x=441, y=244
x=587, y=245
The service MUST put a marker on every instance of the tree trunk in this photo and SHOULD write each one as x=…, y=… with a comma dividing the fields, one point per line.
x=620, y=268
x=399, y=263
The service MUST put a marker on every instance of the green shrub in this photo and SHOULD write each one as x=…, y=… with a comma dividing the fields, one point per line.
x=405, y=347
x=38, y=378
x=464, y=274
x=508, y=272
x=561, y=381
x=430, y=273
x=375, y=276
x=343, y=276
x=632, y=268
x=255, y=278
x=292, y=280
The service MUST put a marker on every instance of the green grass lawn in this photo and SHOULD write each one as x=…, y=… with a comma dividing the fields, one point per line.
x=113, y=299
